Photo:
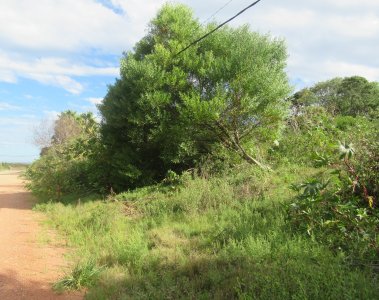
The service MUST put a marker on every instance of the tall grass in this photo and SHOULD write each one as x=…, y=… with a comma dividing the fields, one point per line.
x=218, y=238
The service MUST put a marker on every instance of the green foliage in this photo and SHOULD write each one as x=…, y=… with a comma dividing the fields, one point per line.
x=81, y=276
x=342, y=224
x=342, y=215
x=217, y=237
x=73, y=165
x=345, y=122
x=349, y=96
x=310, y=137
x=167, y=112
x=367, y=166
x=312, y=188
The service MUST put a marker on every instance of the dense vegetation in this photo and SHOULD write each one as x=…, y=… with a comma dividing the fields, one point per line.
x=228, y=187
x=167, y=112
x=350, y=96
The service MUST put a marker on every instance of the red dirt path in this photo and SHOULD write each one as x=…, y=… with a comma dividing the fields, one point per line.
x=27, y=267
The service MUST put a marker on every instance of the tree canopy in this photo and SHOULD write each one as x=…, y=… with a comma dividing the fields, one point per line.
x=350, y=96
x=166, y=111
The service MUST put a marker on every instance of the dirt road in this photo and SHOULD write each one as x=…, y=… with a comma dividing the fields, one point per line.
x=27, y=266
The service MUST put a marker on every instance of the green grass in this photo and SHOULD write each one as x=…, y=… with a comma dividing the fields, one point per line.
x=217, y=238
x=82, y=275
x=4, y=166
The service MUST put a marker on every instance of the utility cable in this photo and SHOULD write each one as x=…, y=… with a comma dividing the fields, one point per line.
x=211, y=16
x=217, y=28
x=215, y=13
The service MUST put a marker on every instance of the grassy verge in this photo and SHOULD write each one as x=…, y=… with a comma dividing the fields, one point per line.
x=8, y=166
x=217, y=238
x=4, y=166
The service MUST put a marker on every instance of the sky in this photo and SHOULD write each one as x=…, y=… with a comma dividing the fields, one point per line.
x=62, y=54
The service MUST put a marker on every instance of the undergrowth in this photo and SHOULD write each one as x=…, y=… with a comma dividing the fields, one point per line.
x=223, y=237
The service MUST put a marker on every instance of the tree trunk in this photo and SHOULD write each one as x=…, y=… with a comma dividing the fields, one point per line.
x=251, y=159
x=233, y=140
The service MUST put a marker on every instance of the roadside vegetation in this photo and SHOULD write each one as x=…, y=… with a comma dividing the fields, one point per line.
x=8, y=166
x=207, y=179
x=4, y=166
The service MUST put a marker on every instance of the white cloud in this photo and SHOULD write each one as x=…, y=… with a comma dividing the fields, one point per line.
x=353, y=26
x=69, y=84
x=50, y=70
x=94, y=101
x=15, y=121
x=7, y=76
x=352, y=3
x=7, y=106
x=325, y=38
x=340, y=68
x=68, y=25
x=51, y=114
x=289, y=19
x=15, y=137
x=46, y=40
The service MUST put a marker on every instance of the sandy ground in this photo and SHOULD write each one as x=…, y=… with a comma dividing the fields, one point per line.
x=28, y=266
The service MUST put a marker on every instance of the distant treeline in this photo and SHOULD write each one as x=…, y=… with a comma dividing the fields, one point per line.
x=7, y=166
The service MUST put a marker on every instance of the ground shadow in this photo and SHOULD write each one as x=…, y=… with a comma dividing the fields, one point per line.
x=17, y=200
x=14, y=288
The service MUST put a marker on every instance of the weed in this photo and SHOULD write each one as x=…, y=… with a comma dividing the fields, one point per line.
x=83, y=275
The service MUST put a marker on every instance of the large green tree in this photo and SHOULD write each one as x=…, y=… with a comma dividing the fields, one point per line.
x=351, y=96
x=168, y=110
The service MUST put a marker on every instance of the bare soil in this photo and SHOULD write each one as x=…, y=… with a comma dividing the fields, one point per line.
x=28, y=267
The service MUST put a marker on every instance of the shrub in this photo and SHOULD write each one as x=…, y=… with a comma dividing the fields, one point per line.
x=73, y=165
x=342, y=213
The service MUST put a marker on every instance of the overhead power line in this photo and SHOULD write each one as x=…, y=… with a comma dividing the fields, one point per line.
x=215, y=13
x=217, y=28
x=211, y=16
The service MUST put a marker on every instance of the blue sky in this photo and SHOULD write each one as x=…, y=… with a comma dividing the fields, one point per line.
x=58, y=55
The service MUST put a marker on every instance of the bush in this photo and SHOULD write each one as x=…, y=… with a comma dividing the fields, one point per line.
x=342, y=213
x=74, y=165
x=58, y=173
x=367, y=166
x=309, y=134
x=313, y=132
x=347, y=225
